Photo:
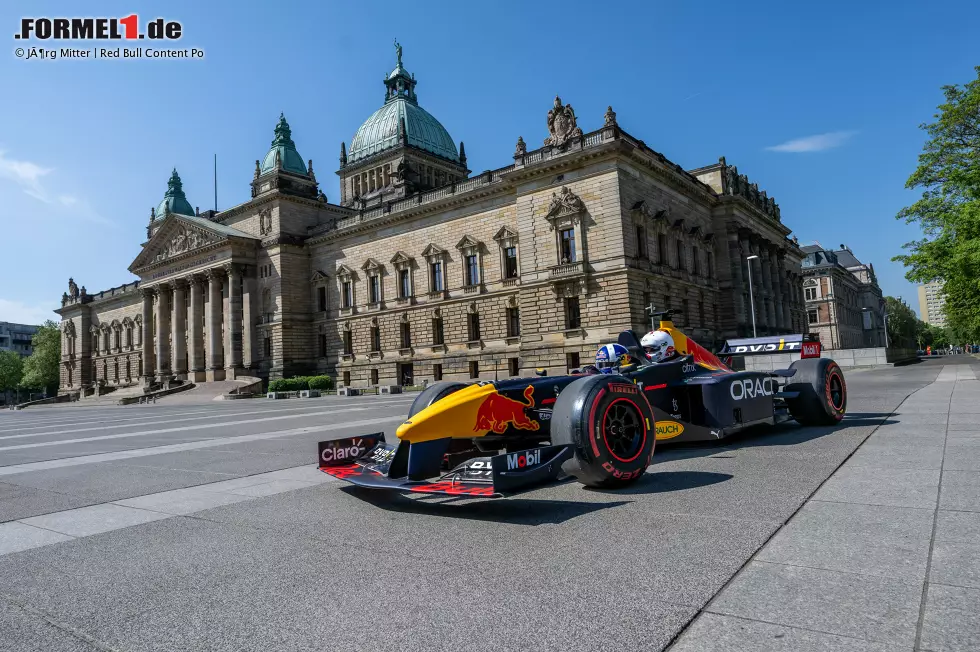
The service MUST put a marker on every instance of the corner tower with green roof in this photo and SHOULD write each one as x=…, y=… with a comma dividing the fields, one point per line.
x=400, y=150
x=174, y=200
x=282, y=168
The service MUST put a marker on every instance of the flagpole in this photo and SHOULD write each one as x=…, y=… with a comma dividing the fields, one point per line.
x=216, y=182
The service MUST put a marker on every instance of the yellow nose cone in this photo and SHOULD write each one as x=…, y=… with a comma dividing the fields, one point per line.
x=453, y=416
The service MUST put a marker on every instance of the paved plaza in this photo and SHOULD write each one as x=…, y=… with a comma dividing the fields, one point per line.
x=203, y=525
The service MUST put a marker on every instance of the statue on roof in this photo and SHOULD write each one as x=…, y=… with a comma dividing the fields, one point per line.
x=398, y=52
x=72, y=289
x=562, y=124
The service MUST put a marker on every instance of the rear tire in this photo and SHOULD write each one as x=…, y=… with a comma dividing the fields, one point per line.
x=611, y=428
x=433, y=393
x=823, y=392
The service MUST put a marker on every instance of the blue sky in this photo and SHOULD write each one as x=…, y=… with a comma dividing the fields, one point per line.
x=818, y=102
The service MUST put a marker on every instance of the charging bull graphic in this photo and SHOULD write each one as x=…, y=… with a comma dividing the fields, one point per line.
x=497, y=412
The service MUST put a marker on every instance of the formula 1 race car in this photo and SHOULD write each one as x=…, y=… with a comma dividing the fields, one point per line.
x=495, y=438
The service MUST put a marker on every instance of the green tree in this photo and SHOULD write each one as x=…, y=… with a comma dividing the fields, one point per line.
x=11, y=371
x=41, y=369
x=949, y=211
x=902, y=323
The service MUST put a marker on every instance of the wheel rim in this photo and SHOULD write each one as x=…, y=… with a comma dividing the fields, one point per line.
x=623, y=430
x=836, y=392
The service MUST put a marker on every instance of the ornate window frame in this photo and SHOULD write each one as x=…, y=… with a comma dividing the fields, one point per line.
x=470, y=246
x=374, y=270
x=346, y=275
x=506, y=239
x=402, y=262
x=317, y=281
x=567, y=210
x=433, y=253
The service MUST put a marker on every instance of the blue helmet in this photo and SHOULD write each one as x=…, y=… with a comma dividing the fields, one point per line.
x=611, y=355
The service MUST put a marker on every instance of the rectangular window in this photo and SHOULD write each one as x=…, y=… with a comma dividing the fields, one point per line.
x=321, y=299
x=513, y=322
x=573, y=318
x=404, y=284
x=572, y=361
x=374, y=292
x=811, y=316
x=348, y=294
x=641, y=242
x=348, y=343
x=566, y=240
x=435, y=277
x=346, y=379
x=695, y=262
x=510, y=262
x=685, y=320
x=810, y=294
x=437, y=372
x=375, y=338
x=437, y=332
x=681, y=263
x=701, y=315
x=473, y=321
x=472, y=270
x=406, y=335
x=711, y=264
x=268, y=347
x=474, y=369
x=514, y=367
x=374, y=376
x=323, y=345
x=662, y=248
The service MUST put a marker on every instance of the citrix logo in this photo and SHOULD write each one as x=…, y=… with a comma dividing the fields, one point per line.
x=752, y=388
x=523, y=459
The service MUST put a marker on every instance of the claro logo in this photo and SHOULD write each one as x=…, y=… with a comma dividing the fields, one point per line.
x=347, y=449
x=752, y=388
x=523, y=459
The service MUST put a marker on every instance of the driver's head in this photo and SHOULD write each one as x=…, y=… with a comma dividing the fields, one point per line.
x=611, y=355
x=658, y=346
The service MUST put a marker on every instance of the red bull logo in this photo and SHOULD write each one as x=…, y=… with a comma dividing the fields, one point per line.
x=497, y=413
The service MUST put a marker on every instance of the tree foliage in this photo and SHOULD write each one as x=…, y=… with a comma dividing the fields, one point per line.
x=41, y=369
x=901, y=323
x=949, y=210
x=11, y=370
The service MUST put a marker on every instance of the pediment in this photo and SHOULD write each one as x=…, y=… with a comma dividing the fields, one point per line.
x=176, y=237
x=679, y=225
x=696, y=232
x=468, y=242
x=318, y=276
x=564, y=202
x=344, y=271
x=504, y=234
x=371, y=265
x=401, y=258
x=432, y=250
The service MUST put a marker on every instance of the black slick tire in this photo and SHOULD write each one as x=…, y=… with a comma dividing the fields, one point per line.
x=822, y=399
x=611, y=428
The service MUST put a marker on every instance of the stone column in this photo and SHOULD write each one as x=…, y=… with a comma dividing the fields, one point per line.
x=765, y=269
x=216, y=360
x=249, y=313
x=737, y=258
x=179, y=330
x=146, y=337
x=195, y=334
x=233, y=321
x=163, y=333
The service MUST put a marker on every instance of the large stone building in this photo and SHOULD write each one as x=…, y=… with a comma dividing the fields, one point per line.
x=844, y=303
x=17, y=338
x=422, y=271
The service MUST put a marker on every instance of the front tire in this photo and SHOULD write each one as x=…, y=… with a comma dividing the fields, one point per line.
x=610, y=426
x=822, y=399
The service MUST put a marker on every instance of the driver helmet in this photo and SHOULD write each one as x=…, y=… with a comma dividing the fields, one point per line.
x=611, y=355
x=658, y=346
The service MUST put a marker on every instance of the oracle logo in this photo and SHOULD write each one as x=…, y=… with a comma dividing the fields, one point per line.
x=752, y=388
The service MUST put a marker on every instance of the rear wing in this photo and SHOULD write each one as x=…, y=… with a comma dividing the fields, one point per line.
x=806, y=344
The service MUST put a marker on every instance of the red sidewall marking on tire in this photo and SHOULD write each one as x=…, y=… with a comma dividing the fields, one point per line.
x=592, y=434
x=643, y=424
x=838, y=409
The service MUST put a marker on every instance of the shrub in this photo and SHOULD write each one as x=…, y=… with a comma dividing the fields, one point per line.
x=320, y=382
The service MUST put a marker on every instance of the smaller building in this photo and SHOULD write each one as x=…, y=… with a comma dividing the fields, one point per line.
x=844, y=303
x=17, y=337
x=931, y=300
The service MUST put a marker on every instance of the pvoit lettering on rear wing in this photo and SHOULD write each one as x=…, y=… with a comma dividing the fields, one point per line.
x=769, y=344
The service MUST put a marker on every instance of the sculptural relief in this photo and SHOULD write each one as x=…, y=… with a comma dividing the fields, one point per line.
x=562, y=124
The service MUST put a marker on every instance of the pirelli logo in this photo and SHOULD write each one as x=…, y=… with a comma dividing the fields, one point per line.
x=623, y=388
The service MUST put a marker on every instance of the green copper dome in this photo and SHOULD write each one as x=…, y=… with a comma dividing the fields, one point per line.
x=283, y=148
x=381, y=131
x=174, y=200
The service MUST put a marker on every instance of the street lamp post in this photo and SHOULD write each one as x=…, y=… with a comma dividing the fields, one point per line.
x=748, y=263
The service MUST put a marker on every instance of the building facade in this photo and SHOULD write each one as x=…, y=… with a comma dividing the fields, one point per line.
x=931, y=300
x=422, y=271
x=844, y=302
x=17, y=338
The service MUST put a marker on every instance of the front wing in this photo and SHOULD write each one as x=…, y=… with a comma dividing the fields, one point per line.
x=368, y=461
